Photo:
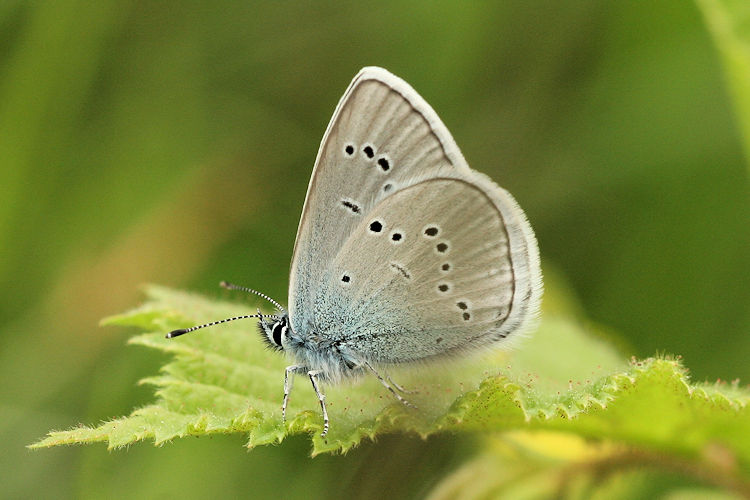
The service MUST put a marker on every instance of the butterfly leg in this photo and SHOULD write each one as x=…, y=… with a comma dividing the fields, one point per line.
x=288, y=383
x=313, y=374
x=388, y=386
x=398, y=387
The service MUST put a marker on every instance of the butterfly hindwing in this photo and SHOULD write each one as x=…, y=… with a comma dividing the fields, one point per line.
x=447, y=264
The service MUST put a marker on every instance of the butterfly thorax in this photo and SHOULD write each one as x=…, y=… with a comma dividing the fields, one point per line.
x=309, y=351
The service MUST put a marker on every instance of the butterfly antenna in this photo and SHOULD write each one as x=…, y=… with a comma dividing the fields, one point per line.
x=230, y=286
x=183, y=331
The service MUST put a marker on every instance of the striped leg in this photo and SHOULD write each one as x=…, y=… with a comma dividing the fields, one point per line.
x=388, y=386
x=398, y=387
x=313, y=374
x=288, y=383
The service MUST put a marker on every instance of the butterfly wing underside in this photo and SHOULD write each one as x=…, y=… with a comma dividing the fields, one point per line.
x=381, y=135
x=445, y=265
x=403, y=252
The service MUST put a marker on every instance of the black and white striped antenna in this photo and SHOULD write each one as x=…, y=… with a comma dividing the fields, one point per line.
x=183, y=331
x=230, y=286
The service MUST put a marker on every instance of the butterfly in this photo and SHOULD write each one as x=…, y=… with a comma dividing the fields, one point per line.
x=403, y=253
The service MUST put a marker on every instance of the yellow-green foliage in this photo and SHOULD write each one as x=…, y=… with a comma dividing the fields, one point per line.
x=564, y=381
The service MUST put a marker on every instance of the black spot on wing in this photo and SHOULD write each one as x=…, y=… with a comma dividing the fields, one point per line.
x=398, y=267
x=353, y=207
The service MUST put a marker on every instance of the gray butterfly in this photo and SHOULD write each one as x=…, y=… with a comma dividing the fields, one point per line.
x=403, y=253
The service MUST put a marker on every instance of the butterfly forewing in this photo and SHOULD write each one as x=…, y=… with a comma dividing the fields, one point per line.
x=381, y=137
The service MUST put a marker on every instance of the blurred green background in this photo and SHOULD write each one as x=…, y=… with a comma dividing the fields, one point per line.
x=173, y=143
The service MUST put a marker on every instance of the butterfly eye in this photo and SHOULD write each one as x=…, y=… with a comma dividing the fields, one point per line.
x=278, y=329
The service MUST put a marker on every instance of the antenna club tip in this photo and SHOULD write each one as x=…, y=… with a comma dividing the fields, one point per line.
x=224, y=284
x=176, y=333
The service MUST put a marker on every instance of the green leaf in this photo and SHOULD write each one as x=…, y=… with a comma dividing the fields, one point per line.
x=729, y=23
x=543, y=464
x=566, y=378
